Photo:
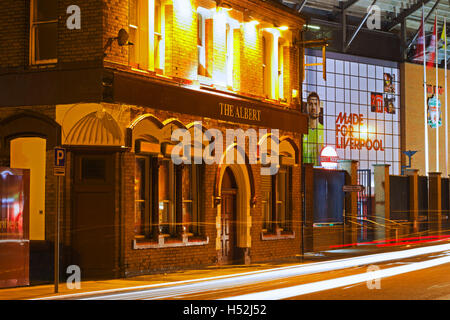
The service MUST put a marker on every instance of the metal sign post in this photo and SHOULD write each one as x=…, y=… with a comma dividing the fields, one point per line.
x=59, y=170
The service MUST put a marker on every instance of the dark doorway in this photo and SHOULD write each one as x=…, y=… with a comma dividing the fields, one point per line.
x=228, y=217
x=93, y=236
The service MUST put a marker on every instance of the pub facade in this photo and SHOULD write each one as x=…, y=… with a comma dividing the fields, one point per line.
x=121, y=92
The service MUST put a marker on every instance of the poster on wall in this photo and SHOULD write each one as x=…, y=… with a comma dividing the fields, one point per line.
x=313, y=142
x=361, y=115
x=389, y=83
x=434, y=112
x=376, y=102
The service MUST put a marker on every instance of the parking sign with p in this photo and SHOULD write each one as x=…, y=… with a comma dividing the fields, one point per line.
x=60, y=162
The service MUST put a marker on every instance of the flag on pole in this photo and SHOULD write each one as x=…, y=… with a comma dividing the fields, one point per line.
x=444, y=38
x=430, y=61
x=418, y=55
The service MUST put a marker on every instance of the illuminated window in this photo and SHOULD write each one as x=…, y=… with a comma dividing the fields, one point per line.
x=204, y=42
x=284, y=197
x=167, y=198
x=142, y=194
x=147, y=36
x=165, y=185
x=266, y=65
x=277, y=200
x=43, y=33
x=138, y=52
x=280, y=69
x=159, y=37
x=229, y=54
x=190, y=198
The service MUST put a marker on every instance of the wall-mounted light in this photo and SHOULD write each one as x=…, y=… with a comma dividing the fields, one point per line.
x=283, y=28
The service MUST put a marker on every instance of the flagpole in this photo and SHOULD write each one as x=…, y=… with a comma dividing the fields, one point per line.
x=445, y=81
x=425, y=95
x=436, y=93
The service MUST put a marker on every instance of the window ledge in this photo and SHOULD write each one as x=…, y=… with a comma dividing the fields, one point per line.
x=279, y=235
x=164, y=242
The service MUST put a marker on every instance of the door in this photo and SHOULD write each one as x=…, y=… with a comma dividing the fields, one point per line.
x=228, y=237
x=93, y=236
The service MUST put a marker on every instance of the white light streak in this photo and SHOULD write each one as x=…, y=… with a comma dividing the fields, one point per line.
x=170, y=289
x=299, y=290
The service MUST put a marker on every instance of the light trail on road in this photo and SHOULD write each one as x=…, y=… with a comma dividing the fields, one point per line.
x=168, y=290
x=295, y=291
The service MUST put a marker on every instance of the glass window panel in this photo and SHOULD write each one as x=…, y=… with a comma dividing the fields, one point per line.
x=331, y=136
x=320, y=80
x=380, y=116
x=339, y=81
x=347, y=68
x=330, y=80
x=321, y=91
x=395, y=128
x=379, y=73
x=371, y=71
x=340, y=95
x=363, y=153
x=362, y=70
x=319, y=60
x=330, y=94
x=140, y=195
x=339, y=108
x=395, y=153
x=354, y=69
x=347, y=95
x=330, y=65
x=388, y=141
x=45, y=41
x=363, y=97
x=347, y=82
x=379, y=86
x=380, y=127
x=330, y=122
x=371, y=85
x=45, y=10
x=164, y=189
x=354, y=96
x=354, y=83
x=388, y=127
x=311, y=77
x=395, y=74
x=339, y=66
x=355, y=154
x=329, y=108
x=388, y=153
x=311, y=88
x=133, y=15
x=362, y=84
x=340, y=153
x=354, y=109
x=310, y=59
x=396, y=143
x=372, y=126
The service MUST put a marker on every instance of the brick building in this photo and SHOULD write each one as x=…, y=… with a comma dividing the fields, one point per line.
x=115, y=103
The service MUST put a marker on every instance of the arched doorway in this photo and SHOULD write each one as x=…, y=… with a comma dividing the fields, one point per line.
x=228, y=217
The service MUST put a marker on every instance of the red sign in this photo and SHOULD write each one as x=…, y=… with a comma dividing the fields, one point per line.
x=376, y=102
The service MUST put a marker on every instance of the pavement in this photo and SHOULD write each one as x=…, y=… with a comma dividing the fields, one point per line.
x=125, y=284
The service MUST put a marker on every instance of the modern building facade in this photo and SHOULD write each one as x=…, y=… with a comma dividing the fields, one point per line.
x=115, y=92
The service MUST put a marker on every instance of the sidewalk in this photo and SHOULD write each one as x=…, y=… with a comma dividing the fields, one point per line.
x=40, y=291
